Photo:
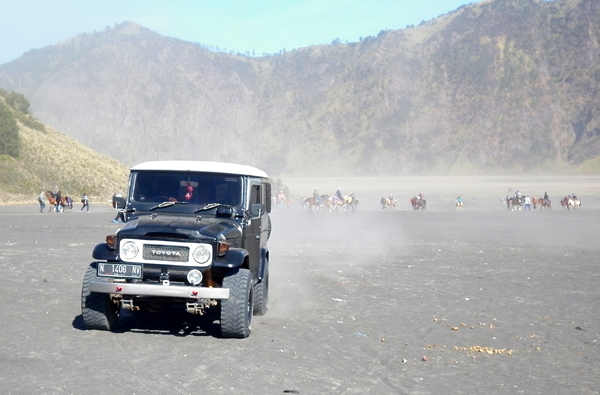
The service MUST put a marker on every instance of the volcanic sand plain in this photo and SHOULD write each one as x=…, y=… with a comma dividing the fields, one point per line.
x=482, y=300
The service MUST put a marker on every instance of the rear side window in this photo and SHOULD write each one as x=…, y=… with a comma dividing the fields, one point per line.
x=255, y=194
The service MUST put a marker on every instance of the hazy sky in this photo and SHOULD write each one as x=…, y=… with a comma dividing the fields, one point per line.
x=262, y=26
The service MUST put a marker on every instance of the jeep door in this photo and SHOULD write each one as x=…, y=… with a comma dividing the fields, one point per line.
x=256, y=232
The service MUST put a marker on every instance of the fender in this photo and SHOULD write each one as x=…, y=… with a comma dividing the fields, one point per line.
x=264, y=259
x=235, y=257
x=102, y=252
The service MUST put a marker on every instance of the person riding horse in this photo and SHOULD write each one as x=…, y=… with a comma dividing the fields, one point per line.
x=459, y=203
x=316, y=196
x=339, y=195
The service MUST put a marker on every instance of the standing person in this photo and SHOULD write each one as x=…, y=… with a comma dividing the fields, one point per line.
x=42, y=200
x=58, y=198
x=85, y=201
x=119, y=205
x=527, y=203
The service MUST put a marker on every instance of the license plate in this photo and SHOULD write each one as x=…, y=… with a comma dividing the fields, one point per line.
x=119, y=270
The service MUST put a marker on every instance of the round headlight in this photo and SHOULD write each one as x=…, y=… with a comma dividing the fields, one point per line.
x=129, y=250
x=194, y=277
x=201, y=254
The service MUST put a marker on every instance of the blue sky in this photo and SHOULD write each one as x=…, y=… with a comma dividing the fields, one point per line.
x=262, y=26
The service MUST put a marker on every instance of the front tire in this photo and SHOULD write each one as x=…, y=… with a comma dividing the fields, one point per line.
x=99, y=311
x=237, y=311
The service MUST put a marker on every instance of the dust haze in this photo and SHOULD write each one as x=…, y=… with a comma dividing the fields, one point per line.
x=372, y=301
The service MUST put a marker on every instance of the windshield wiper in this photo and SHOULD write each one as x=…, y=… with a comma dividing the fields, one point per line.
x=209, y=207
x=166, y=204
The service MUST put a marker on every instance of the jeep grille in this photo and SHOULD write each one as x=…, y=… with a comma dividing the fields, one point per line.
x=165, y=253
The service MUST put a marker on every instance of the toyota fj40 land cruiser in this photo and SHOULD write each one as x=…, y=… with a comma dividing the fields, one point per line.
x=196, y=235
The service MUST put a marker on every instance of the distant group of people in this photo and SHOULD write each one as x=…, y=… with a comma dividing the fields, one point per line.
x=337, y=195
x=56, y=196
x=59, y=202
x=525, y=201
x=56, y=199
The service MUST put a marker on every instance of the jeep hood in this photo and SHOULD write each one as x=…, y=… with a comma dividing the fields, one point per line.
x=193, y=228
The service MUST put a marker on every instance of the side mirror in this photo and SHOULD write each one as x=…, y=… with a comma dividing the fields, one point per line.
x=257, y=209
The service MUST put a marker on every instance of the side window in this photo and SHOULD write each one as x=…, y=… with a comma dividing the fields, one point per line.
x=255, y=194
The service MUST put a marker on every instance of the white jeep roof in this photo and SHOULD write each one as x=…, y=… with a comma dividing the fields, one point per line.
x=200, y=166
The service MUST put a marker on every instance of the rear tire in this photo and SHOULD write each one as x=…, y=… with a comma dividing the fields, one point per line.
x=261, y=293
x=99, y=311
x=237, y=311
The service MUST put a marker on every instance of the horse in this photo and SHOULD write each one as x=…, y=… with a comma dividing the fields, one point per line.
x=546, y=204
x=564, y=202
x=459, y=205
x=535, y=202
x=313, y=202
x=53, y=203
x=569, y=203
x=337, y=204
x=573, y=203
x=385, y=203
x=514, y=203
x=418, y=204
x=67, y=202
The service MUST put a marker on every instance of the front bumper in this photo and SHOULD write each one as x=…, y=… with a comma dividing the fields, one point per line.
x=158, y=290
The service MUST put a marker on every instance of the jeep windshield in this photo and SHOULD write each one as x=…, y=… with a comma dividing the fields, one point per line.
x=151, y=190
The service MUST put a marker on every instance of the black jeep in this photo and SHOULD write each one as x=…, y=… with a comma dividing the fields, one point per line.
x=196, y=235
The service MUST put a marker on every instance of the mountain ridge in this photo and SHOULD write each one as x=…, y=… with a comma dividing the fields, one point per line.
x=497, y=86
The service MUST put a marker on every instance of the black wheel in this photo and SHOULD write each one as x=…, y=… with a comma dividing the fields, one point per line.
x=261, y=293
x=236, y=312
x=99, y=310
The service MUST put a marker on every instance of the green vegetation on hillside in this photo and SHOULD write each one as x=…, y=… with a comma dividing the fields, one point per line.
x=47, y=158
x=9, y=133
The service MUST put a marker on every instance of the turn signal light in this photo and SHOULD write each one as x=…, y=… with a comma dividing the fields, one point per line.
x=222, y=247
x=111, y=241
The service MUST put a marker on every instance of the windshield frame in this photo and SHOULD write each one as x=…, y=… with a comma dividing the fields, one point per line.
x=168, y=190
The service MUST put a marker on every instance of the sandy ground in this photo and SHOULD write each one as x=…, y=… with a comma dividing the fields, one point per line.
x=482, y=300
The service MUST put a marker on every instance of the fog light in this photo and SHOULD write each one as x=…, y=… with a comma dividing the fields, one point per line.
x=129, y=250
x=194, y=277
x=201, y=254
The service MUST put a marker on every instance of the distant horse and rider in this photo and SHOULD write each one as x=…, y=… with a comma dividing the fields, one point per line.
x=351, y=201
x=418, y=202
x=331, y=203
x=57, y=202
x=570, y=202
x=459, y=205
x=514, y=203
x=388, y=203
x=544, y=203
x=314, y=203
x=334, y=203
